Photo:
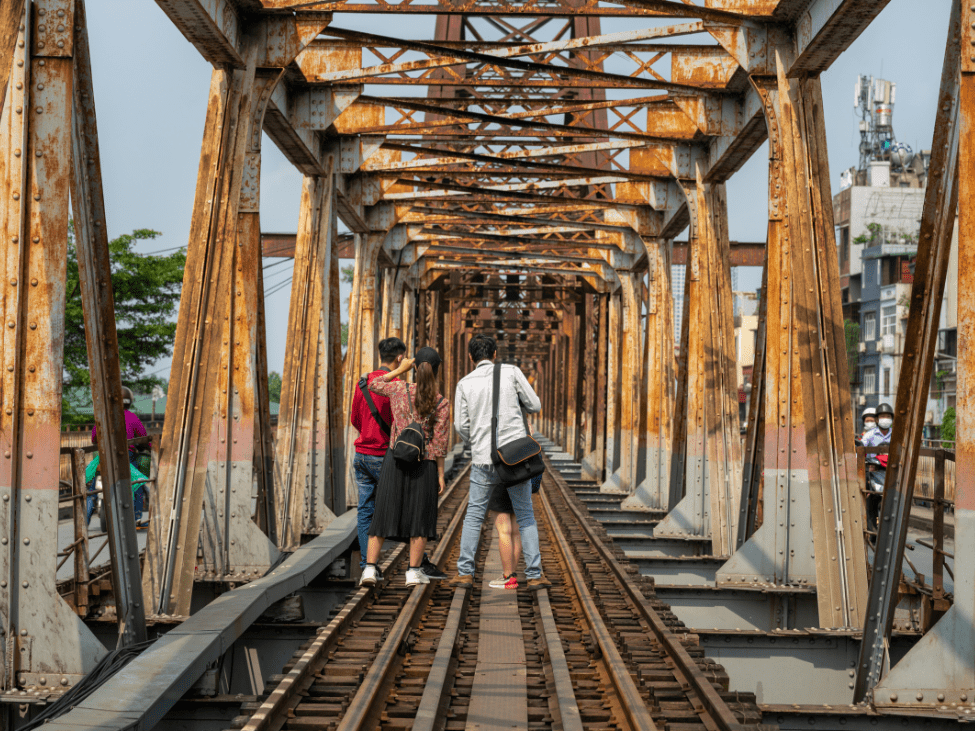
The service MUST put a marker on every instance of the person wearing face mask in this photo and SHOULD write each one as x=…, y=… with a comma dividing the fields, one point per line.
x=882, y=434
x=869, y=422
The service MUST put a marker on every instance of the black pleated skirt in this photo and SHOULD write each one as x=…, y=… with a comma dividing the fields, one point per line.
x=406, y=501
x=500, y=501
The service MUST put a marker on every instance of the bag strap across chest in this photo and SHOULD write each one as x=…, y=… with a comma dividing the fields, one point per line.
x=496, y=401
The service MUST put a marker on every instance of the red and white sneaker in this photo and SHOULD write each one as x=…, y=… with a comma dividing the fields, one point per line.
x=505, y=582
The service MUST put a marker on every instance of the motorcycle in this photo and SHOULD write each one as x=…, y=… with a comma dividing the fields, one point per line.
x=141, y=460
x=876, y=477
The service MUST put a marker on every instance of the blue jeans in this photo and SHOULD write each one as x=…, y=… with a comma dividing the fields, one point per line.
x=137, y=503
x=367, y=468
x=483, y=480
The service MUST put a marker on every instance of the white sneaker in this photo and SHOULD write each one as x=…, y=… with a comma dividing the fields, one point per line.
x=416, y=576
x=505, y=582
x=371, y=576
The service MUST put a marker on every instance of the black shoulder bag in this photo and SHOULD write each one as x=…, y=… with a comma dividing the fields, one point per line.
x=364, y=387
x=518, y=460
x=411, y=443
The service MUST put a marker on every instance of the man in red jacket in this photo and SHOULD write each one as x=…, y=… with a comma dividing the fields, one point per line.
x=373, y=422
x=373, y=419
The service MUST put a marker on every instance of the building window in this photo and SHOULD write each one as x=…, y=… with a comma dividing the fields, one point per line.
x=869, y=379
x=888, y=322
x=887, y=384
x=845, y=248
x=870, y=326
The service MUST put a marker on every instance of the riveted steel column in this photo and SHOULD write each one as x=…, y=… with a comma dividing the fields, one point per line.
x=713, y=467
x=613, y=374
x=11, y=18
x=211, y=398
x=361, y=354
x=623, y=479
x=95, y=279
x=593, y=462
x=44, y=642
x=750, y=514
x=305, y=461
x=810, y=465
x=653, y=492
x=940, y=669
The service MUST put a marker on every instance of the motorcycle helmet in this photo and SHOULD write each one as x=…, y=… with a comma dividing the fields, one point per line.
x=868, y=412
x=127, y=397
x=885, y=409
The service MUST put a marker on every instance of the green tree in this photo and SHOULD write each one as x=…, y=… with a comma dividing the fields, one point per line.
x=348, y=273
x=948, y=428
x=146, y=289
x=274, y=386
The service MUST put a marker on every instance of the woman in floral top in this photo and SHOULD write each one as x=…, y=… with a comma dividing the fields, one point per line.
x=406, y=496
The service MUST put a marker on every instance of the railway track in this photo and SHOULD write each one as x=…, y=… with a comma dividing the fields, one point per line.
x=600, y=651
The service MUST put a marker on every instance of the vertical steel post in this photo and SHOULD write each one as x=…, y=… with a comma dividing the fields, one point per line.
x=98, y=303
x=305, y=456
x=361, y=354
x=11, y=18
x=710, y=505
x=654, y=491
x=613, y=391
x=940, y=669
x=43, y=638
x=812, y=532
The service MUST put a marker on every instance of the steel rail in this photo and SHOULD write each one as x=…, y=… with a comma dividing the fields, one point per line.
x=428, y=712
x=360, y=710
x=561, y=675
x=272, y=713
x=713, y=707
x=634, y=705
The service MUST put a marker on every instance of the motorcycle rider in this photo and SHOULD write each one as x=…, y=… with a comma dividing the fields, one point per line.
x=881, y=435
x=869, y=421
x=141, y=459
x=876, y=464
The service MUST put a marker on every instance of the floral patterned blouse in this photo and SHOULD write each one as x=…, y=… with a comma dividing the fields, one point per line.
x=401, y=395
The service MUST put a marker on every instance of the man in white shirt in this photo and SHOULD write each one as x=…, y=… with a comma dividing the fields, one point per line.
x=473, y=410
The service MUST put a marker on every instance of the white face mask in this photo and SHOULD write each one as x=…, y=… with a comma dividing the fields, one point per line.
x=868, y=425
x=885, y=423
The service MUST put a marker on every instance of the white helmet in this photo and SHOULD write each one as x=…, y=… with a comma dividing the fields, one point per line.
x=869, y=412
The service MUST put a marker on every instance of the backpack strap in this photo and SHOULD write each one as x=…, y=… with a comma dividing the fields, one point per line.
x=496, y=398
x=363, y=383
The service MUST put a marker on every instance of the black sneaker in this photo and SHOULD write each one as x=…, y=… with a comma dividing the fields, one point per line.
x=430, y=569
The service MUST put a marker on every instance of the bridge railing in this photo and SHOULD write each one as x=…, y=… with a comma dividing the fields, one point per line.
x=934, y=499
x=89, y=577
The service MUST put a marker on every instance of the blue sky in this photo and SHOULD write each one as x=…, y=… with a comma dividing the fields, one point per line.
x=151, y=90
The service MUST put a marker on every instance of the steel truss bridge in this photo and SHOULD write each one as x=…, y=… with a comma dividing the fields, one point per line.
x=520, y=173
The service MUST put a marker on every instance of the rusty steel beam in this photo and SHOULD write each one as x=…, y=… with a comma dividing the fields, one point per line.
x=101, y=339
x=712, y=468
x=809, y=459
x=309, y=459
x=11, y=19
x=211, y=417
x=950, y=181
x=562, y=8
x=44, y=636
x=742, y=253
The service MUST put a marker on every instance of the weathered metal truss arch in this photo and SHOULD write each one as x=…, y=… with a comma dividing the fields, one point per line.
x=522, y=174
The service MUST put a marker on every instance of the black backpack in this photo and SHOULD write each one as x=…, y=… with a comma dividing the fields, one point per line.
x=411, y=443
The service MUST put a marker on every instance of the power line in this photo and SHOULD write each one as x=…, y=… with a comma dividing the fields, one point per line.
x=278, y=287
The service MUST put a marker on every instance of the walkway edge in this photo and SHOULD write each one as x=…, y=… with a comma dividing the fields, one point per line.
x=141, y=694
